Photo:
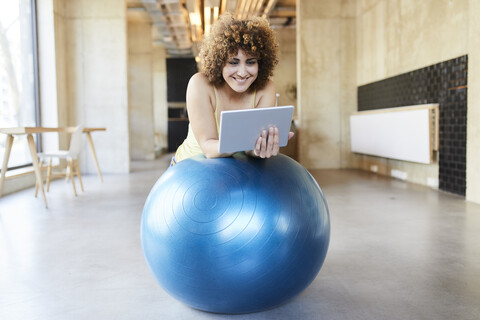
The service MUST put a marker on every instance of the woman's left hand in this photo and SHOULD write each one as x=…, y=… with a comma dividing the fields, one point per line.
x=267, y=145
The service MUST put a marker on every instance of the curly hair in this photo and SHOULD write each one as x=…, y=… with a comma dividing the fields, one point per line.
x=228, y=35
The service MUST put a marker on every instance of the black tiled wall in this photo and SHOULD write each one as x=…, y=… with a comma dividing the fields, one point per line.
x=444, y=83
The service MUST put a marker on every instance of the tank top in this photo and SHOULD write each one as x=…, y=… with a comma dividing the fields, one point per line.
x=190, y=146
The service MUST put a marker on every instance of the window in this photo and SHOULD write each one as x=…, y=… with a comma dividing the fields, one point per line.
x=18, y=76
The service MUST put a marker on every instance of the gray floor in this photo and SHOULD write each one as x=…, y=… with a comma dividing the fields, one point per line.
x=398, y=251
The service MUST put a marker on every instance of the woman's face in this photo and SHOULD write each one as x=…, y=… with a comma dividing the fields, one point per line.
x=240, y=71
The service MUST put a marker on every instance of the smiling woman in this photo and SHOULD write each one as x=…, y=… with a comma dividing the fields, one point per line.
x=238, y=58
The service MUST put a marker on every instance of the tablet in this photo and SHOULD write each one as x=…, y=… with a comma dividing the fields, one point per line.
x=240, y=129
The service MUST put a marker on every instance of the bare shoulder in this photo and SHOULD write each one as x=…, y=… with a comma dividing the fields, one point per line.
x=199, y=91
x=266, y=96
x=270, y=85
x=198, y=80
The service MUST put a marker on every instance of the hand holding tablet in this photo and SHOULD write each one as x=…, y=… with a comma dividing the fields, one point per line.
x=240, y=129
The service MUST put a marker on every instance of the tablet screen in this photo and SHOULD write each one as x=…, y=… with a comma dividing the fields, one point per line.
x=240, y=129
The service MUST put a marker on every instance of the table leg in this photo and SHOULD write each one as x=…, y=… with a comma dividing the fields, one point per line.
x=90, y=142
x=38, y=173
x=8, y=148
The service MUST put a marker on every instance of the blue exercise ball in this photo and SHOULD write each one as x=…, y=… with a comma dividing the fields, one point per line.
x=235, y=235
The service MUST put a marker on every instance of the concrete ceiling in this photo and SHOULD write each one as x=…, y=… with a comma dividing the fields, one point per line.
x=179, y=25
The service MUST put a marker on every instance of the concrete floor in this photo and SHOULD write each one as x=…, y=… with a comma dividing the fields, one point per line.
x=397, y=251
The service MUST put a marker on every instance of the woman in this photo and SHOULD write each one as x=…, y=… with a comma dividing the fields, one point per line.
x=238, y=57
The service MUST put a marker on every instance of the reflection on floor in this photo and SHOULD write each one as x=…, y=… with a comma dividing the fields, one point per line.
x=397, y=251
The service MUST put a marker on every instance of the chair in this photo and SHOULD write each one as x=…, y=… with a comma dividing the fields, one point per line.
x=71, y=155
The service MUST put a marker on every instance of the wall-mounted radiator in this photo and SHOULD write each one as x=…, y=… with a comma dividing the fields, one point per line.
x=404, y=133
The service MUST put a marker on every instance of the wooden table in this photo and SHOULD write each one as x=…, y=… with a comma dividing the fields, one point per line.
x=11, y=132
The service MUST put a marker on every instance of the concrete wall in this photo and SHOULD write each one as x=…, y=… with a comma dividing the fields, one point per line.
x=285, y=76
x=160, y=108
x=96, y=73
x=395, y=37
x=358, y=42
x=326, y=81
x=140, y=88
x=473, y=113
x=398, y=36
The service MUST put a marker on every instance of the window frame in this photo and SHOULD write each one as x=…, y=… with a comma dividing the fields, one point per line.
x=36, y=84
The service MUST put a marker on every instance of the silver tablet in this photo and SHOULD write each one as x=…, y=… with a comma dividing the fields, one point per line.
x=240, y=129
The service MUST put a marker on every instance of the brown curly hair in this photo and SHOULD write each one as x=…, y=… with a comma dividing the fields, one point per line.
x=253, y=35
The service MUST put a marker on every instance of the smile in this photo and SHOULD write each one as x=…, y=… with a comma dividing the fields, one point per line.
x=241, y=80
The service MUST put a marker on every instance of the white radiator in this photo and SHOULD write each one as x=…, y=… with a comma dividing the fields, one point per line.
x=403, y=133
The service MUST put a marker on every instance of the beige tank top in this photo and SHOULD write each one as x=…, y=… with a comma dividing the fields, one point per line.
x=190, y=146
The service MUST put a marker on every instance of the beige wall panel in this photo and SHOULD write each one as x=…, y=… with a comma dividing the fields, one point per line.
x=371, y=44
x=398, y=36
x=94, y=8
x=285, y=75
x=101, y=62
x=435, y=36
x=365, y=5
x=104, y=93
x=140, y=100
x=61, y=74
x=141, y=107
x=319, y=9
x=61, y=66
x=348, y=87
x=139, y=37
x=97, y=85
x=320, y=94
x=58, y=7
x=75, y=44
x=473, y=117
x=348, y=8
x=73, y=8
x=285, y=79
x=160, y=108
x=327, y=9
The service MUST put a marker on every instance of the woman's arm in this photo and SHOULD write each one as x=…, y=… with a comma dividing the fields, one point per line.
x=201, y=113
